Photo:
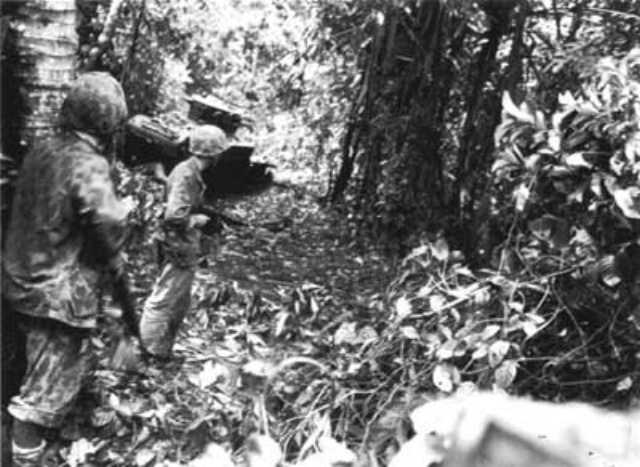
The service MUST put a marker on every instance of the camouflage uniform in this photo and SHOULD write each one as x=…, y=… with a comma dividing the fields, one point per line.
x=65, y=220
x=66, y=226
x=170, y=299
x=165, y=308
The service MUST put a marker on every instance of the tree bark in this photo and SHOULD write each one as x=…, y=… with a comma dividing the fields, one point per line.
x=43, y=64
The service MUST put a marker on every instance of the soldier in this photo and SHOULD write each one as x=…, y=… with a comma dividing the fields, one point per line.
x=67, y=228
x=169, y=301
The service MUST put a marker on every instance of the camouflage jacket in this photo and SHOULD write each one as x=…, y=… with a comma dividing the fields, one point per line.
x=185, y=190
x=66, y=225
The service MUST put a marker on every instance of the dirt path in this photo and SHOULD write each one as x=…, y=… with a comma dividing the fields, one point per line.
x=263, y=293
x=307, y=247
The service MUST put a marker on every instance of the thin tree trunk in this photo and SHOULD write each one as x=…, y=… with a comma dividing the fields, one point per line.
x=514, y=73
x=359, y=114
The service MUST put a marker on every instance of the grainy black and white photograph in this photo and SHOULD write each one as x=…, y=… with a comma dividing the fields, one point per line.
x=320, y=233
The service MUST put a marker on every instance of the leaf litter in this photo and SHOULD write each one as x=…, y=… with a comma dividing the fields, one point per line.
x=278, y=320
x=287, y=331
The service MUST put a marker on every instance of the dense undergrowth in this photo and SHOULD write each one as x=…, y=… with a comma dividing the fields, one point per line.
x=301, y=331
x=546, y=310
x=296, y=332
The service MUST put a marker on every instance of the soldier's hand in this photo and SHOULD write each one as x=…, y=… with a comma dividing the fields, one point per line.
x=199, y=220
x=213, y=227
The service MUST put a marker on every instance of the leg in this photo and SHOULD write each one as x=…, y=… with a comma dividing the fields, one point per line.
x=26, y=434
x=57, y=362
x=14, y=360
x=165, y=309
x=28, y=444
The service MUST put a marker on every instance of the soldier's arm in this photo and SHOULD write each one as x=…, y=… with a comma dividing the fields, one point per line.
x=103, y=217
x=159, y=173
x=101, y=214
x=182, y=204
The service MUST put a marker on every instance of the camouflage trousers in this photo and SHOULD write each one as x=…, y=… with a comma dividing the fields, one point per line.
x=58, y=361
x=165, y=309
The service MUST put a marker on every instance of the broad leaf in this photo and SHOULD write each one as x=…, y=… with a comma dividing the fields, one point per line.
x=436, y=302
x=79, y=452
x=403, y=308
x=506, y=373
x=628, y=200
x=521, y=113
x=490, y=331
x=145, y=457
x=446, y=377
x=624, y=384
x=410, y=332
x=497, y=351
x=440, y=250
x=577, y=160
x=345, y=334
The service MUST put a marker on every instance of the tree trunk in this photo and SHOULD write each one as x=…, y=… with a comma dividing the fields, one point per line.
x=42, y=62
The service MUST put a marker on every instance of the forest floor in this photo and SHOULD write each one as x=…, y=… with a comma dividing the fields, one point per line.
x=298, y=332
x=274, y=292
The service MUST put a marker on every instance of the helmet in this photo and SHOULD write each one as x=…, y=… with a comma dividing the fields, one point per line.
x=207, y=141
x=95, y=104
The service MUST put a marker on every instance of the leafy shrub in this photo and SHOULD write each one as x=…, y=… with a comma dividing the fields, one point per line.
x=555, y=315
x=576, y=171
x=560, y=302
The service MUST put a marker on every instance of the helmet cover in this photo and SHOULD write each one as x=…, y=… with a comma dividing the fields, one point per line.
x=207, y=141
x=95, y=104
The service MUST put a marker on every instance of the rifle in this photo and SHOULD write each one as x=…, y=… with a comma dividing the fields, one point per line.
x=221, y=217
x=125, y=357
x=122, y=296
x=217, y=218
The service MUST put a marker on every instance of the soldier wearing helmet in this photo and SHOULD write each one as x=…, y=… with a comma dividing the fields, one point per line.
x=67, y=228
x=95, y=105
x=165, y=308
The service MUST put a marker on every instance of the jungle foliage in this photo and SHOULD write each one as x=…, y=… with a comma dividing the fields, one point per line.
x=419, y=143
x=491, y=148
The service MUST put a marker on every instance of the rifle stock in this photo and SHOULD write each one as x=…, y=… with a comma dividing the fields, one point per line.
x=122, y=297
x=221, y=216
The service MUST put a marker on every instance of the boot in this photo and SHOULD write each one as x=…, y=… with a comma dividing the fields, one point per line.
x=28, y=457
